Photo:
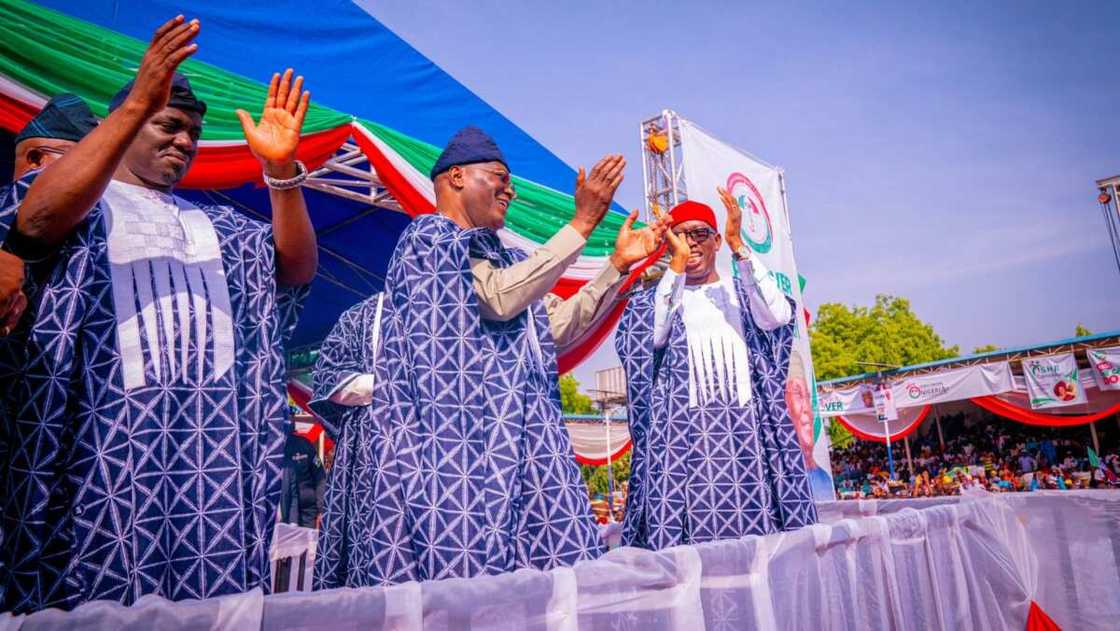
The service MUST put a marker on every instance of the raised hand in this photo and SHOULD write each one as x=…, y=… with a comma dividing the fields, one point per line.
x=594, y=192
x=12, y=299
x=632, y=245
x=678, y=247
x=733, y=229
x=275, y=138
x=171, y=44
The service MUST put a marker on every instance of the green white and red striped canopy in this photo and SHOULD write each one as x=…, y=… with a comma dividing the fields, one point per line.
x=44, y=52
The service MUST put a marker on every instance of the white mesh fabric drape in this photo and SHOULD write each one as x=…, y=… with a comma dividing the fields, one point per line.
x=941, y=563
x=295, y=547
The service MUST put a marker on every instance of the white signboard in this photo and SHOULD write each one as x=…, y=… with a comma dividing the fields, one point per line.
x=1053, y=381
x=710, y=163
x=951, y=385
x=885, y=409
x=1106, y=367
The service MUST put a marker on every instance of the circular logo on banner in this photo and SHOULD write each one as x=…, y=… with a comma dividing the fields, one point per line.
x=756, y=221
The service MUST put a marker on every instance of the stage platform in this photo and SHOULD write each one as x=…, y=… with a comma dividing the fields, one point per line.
x=943, y=563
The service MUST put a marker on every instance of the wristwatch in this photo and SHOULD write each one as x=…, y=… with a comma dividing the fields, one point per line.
x=742, y=253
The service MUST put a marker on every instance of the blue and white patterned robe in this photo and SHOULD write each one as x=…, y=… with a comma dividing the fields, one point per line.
x=461, y=466
x=169, y=487
x=719, y=470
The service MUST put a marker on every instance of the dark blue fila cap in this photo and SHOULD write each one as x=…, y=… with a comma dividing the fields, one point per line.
x=65, y=117
x=469, y=145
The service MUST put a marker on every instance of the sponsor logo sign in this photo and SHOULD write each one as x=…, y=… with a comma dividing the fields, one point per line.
x=1053, y=381
x=1105, y=363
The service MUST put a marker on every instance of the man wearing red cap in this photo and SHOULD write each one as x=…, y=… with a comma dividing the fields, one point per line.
x=716, y=455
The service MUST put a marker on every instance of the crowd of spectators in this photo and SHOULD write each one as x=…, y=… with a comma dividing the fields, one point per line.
x=980, y=451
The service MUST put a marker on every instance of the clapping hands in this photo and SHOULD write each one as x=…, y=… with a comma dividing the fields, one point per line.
x=734, y=226
x=632, y=245
x=595, y=191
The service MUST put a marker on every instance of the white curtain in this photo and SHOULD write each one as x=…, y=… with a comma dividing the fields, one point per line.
x=940, y=563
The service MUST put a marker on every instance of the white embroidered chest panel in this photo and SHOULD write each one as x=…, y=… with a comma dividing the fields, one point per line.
x=170, y=290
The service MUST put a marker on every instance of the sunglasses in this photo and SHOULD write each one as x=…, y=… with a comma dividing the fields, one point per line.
x=696, y=235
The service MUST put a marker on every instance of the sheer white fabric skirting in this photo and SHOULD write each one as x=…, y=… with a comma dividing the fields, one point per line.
x=944, y=563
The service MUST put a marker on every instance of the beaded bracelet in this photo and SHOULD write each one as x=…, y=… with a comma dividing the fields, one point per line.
x=290, y=183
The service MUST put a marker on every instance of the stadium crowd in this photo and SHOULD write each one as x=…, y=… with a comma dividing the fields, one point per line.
x=980, y=450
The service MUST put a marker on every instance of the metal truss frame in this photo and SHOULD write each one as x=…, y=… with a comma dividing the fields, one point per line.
x=350, y=175
x=662, y=171
x=1110, y=208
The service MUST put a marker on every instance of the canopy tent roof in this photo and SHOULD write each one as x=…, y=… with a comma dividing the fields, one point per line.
x=993, y=381
x=380, y=112
x=1096, y=340
x=595, y=442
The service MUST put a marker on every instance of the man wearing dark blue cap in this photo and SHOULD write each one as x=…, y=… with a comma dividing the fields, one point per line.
x=148, y=424
x=452, y=459
x=62, y=122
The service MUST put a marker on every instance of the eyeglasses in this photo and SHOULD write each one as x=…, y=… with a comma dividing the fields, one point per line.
x=46, y=149
x=504, y=176
x=697, y=235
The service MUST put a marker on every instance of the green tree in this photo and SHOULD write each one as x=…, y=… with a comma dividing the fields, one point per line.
x=1081, y=331
x=888, y=332
x=596, y=477
x=572, y=401
x=987, y=348
x=838, y=435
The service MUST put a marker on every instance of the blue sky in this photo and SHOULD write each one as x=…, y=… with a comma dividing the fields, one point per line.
x=943, y=152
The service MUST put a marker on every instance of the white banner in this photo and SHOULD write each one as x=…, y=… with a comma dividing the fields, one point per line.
x=1053, y=381
x=951, y=385
x=709, y=163
x=1106, y=367
x=954, y=385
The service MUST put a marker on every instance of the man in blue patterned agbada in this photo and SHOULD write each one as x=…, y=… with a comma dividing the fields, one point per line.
x=145, y=427
x=715, y=453
x=452, y=459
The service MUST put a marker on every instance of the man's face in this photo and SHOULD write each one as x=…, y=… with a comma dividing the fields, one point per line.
x=703, y=244
x=164, y=148
x=801, y=412
x=486, y=191
x=37, y=153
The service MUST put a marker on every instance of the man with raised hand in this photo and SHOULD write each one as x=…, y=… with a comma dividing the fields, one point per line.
x=452, y=459
x=148, y=424
x=716, y=455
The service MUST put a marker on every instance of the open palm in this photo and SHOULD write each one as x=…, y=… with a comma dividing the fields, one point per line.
x=734, y=226
x=275, y=138
x=632, y=245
